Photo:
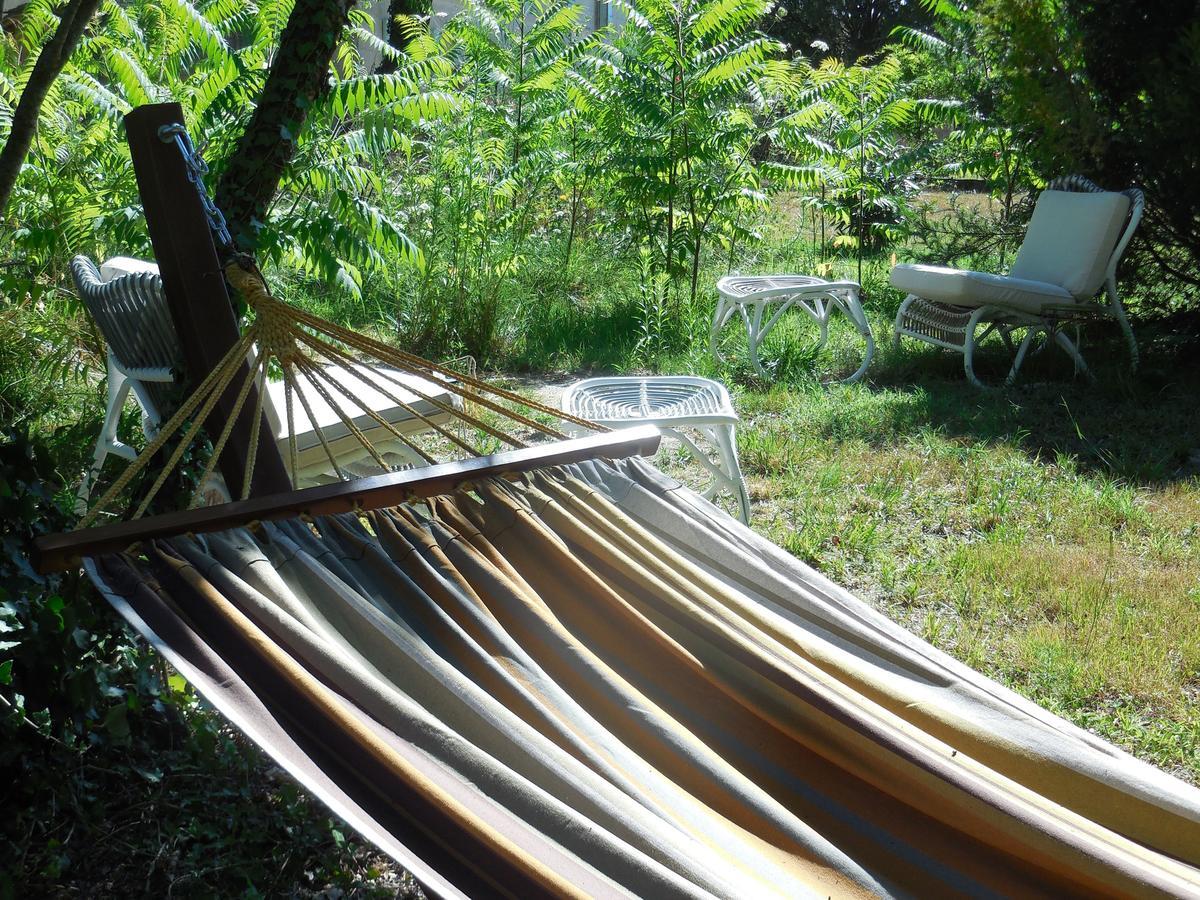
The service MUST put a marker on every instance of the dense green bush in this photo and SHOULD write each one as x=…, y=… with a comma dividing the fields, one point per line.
x=422, y=193
x=116, y=780
x=1111, y=90
x=842, y=29
x=77, y=193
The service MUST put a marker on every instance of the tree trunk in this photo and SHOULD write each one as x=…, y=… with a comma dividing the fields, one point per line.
x=71, y=22
x=394, y=32
x=298, y=76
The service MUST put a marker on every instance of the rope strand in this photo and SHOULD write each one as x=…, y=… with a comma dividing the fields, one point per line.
x=326, y=356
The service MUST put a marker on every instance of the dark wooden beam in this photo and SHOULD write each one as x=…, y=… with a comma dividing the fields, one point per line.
x=195, y=287
x=55, y=552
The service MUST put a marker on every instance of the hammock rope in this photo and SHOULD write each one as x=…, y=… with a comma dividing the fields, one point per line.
x=314, y=356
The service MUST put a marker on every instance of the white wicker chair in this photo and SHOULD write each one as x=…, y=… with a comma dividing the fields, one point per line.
x=1071, y=251
x=145, y=356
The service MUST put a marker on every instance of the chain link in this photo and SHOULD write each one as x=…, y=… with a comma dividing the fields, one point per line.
x=196, y=170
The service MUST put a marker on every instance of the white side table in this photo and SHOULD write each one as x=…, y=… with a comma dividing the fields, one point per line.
x=752, y=296
x=671, y=402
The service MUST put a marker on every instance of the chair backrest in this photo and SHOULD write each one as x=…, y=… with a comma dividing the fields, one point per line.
x=131, y=298
x=1077, y=235
x=131, y=312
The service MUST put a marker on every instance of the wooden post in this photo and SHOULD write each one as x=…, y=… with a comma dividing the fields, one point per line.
x=195, y=289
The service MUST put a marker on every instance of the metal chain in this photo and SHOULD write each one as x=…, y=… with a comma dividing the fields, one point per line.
x=197, y=168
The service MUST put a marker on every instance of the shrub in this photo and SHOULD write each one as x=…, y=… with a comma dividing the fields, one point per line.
x=1111, y=90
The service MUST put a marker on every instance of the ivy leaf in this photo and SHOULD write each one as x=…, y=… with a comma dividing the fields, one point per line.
x=154, y=776
x=116, y=723
x=54, y=605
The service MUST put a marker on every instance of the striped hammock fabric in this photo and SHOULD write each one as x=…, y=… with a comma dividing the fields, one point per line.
x=595, y=683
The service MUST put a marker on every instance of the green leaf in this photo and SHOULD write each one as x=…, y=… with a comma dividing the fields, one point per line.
x=154, y=776
x=116, y=723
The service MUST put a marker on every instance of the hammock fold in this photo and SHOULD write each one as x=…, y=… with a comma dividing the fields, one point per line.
x=595, y=683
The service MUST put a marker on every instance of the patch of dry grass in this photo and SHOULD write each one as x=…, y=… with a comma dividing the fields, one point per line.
x=1065, y=567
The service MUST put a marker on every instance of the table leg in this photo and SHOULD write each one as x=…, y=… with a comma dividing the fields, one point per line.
x=720, y=317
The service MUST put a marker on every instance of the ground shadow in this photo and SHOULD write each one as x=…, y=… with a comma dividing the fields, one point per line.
x=1139, y=427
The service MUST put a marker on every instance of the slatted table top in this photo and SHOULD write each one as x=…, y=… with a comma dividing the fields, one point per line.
x=662, y=399
x=754, y=287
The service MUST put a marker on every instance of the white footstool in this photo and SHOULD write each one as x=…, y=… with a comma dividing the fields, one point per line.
x=761, y=301
x=671, y=402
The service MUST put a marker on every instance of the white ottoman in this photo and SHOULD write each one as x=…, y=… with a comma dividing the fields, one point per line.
x=761, y=300
x=671, y=402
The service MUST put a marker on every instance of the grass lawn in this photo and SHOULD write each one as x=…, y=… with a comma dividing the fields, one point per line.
x=1047, y=535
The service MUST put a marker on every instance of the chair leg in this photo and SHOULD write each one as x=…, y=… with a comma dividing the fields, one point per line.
x=84, y=491
x=107, y=441
x=1022, y=350
x=824, y=309
x=969, y=347
x=726, y=439
x=853, y=311
x=726, y=473
x=753, y=336
x=868, y=353
x=1114, y=302
x=718, y=323
x=1072, y=351
x=908, y=301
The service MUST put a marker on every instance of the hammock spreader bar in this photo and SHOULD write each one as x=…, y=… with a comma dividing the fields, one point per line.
x=56, y=552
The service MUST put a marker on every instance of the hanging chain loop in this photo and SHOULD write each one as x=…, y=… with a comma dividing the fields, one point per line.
x=197, y=168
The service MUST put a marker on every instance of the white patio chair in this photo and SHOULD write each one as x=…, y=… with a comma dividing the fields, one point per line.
x=1071, y=250
x=145, y=357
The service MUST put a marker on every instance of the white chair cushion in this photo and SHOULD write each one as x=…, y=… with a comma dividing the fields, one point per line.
x=961, y=287
x=1070, y=239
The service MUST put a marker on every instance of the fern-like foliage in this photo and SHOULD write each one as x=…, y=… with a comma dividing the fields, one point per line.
x=77, y=193
x=694, y=89
x=487, y=160
x=853, y=147
x=509, y=134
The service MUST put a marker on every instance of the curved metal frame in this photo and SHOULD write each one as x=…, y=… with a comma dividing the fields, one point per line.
x=1137, y=206
x=1005, y=320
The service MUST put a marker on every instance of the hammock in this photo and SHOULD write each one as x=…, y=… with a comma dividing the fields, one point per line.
x=552, y=671
x=596, y=683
